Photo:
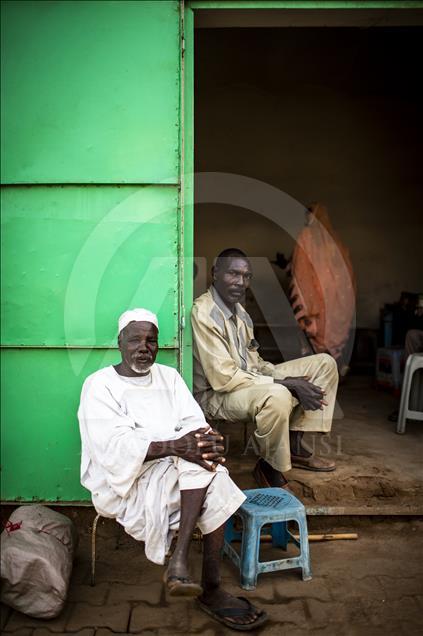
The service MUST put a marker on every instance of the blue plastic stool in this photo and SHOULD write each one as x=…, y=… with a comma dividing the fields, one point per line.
x=267, y=506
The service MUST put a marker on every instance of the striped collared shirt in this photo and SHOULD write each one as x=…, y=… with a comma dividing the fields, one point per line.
x=225, y=351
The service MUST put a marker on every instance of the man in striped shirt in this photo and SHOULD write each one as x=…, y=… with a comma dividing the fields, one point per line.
x=232, y=382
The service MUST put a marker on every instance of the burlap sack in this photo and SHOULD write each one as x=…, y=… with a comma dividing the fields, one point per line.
x=37, y=549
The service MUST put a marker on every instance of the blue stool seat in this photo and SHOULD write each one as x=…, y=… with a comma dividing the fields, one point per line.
x=267, y=506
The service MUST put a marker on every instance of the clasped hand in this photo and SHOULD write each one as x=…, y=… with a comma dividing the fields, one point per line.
x=309, y=395
x=203, y=446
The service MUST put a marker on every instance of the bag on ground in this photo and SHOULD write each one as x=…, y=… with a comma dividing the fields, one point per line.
x=37, y=548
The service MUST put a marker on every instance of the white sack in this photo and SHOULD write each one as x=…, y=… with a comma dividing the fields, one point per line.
x=36, y=561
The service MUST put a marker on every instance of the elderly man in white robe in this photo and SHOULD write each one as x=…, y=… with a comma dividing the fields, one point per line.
x=153, y=463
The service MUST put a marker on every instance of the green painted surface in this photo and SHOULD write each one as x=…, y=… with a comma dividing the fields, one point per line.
x=74, y=258
x=40, y=446
x=305, y=4
x=91, y=98
x=188, y=192
x=91, y=92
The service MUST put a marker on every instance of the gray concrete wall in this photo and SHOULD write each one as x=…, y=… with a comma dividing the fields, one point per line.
x=324, y=114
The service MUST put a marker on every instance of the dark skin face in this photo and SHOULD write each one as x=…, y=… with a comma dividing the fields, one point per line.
x=138, y=345
x=231, y=279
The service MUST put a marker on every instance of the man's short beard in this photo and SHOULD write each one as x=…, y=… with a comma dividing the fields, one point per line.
x=138, y=369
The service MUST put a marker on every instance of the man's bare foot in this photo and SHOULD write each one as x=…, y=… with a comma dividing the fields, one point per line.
x=216, y=601
x=177, y=567
x=178, y=580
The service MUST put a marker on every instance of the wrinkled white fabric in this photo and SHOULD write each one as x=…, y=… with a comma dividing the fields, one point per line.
x=119, y=418
x=157, y=496
x=137, y=315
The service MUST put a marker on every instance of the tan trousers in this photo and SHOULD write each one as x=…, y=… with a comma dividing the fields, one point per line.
x=275, y=411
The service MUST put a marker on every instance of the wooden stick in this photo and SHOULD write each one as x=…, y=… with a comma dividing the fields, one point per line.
x=331, y=536
x=319, y=537
x=342, y=536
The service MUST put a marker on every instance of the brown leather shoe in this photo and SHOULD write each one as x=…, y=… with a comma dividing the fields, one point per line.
x=278, y=480
x=315, y=463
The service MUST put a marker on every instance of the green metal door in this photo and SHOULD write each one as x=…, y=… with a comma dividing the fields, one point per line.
x=92, y=215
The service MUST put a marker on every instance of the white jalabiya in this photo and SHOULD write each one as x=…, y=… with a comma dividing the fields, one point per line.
x=119, y=417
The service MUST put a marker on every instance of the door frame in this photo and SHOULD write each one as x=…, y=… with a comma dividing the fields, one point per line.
x=188, y=8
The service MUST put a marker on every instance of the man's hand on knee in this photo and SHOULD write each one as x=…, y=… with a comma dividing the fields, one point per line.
x=203, y=446
x=309, y=395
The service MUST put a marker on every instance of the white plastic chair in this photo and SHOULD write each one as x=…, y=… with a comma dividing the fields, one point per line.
x=414, y=362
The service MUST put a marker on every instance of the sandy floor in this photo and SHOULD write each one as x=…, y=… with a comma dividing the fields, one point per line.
x=369, y=587
x=378, y=471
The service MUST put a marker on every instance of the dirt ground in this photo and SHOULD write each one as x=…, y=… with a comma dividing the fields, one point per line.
x=372, y=586
x=378, y=471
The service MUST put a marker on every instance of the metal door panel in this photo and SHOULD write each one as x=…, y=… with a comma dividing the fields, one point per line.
x=40, y=445
x=74, y=258
x=91, y=92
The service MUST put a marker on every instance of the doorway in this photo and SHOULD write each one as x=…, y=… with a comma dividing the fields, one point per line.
x=330, y=115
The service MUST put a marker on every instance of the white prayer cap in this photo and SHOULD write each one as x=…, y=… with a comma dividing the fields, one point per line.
x=138, y=314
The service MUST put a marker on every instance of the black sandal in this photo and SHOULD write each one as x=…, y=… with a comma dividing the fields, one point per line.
x=181, y=585
x=224, y=613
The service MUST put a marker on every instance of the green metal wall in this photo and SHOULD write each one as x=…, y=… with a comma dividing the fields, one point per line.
x=91, y=219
